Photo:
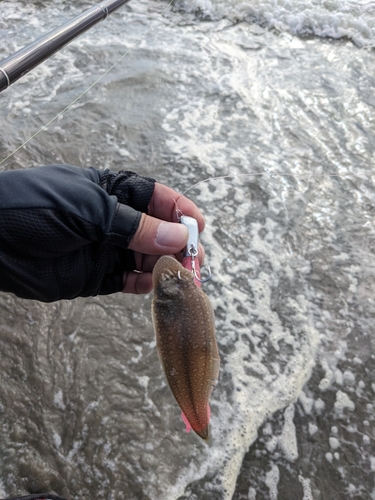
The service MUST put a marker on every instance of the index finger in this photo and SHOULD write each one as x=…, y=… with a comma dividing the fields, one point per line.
x=163, y=205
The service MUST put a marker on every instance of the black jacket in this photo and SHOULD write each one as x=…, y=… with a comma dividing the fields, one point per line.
x=64, y=230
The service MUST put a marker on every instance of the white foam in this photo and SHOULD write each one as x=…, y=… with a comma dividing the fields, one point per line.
x=313, y=429
x=288, y=437
x=261, y=385
x=272, y=479
x=58, y=399
x=319, y=405
x=251, y=495
x=334, y=443
x=57, y=439
x=366, y=439
x=307, y=493
x=342, y=402
x=335, y=19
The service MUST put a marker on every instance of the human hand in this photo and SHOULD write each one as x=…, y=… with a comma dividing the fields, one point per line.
x=158, y=234
x=67, y=232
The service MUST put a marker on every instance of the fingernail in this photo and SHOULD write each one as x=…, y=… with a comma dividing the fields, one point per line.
x=171, y=235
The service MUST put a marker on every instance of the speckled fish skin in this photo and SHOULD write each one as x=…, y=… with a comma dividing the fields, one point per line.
x=185, y=336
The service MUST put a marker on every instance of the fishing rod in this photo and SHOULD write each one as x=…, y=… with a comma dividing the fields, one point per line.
x=40, y=496
x=17, y=65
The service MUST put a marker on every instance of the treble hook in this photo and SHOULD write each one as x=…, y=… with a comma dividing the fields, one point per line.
x=198, y=278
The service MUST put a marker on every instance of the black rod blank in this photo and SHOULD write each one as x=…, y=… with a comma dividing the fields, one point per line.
x=17, y=65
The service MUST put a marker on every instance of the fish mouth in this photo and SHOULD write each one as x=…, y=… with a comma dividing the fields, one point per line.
x=167, y=275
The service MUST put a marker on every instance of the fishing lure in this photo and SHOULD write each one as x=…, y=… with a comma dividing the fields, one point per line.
x=185, y=333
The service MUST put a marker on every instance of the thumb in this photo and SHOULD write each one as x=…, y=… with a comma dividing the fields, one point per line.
x=157, y=237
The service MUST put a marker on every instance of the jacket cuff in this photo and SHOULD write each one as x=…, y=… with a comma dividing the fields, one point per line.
x=129, y=188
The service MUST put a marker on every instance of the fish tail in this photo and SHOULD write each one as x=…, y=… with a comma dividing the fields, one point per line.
x=203, y=433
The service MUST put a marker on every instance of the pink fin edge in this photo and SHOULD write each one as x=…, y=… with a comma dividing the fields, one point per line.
x=186, y=421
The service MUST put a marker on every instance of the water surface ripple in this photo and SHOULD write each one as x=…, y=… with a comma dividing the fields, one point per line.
x=85, y=410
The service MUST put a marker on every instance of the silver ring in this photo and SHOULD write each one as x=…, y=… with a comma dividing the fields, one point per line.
x=105, y=10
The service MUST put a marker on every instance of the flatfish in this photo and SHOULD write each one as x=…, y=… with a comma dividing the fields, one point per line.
x=185, y=337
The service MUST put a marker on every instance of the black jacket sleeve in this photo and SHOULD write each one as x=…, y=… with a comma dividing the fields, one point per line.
x=64, y=230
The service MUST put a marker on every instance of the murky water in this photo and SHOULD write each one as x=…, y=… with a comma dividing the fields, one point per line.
x=212, y=89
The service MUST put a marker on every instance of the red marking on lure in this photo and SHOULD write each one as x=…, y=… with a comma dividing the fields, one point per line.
x=187, y=263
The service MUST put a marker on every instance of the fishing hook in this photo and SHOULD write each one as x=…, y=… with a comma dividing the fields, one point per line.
x=192, y=244
x=196, y=276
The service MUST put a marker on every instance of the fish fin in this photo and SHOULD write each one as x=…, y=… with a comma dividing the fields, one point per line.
x=215, y=370
x=186, y=422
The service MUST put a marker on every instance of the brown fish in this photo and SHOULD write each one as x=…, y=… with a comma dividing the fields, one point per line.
x=185, y=336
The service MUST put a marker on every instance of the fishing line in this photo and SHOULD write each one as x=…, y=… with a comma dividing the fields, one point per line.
x=257, y=174
x=44, y=127
x=87, y=90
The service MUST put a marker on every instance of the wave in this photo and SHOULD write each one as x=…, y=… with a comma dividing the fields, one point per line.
x=336, y=19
